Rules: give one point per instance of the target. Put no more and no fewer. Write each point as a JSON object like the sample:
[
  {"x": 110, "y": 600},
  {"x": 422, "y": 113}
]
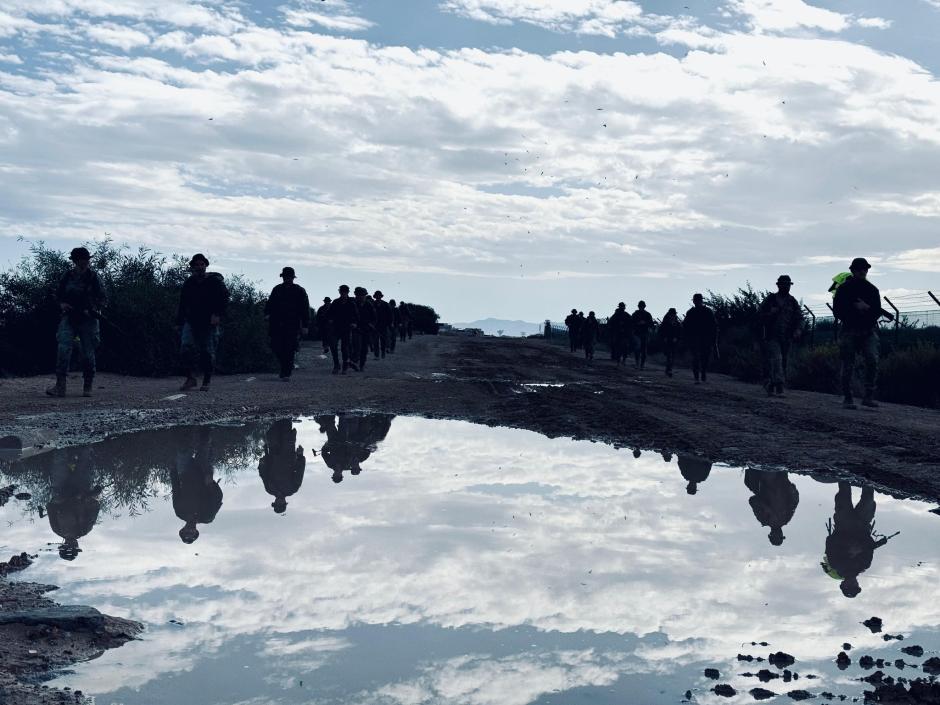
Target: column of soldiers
[
  {"x": 856, "y": 305},
  {"x": 349, "y": 327}
]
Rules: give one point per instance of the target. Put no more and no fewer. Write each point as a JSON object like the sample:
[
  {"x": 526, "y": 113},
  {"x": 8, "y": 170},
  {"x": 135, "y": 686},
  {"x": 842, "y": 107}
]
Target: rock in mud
[
  {"x": 712, "y": 673},
  {"x": 896, "y": 637},
  {"x": 843, "y": 661},
  {"x": 918, "y": 692},
  {"x": 745, "y": 657},
  {"x": 932, "y": 666},
  {"x": 766, "y": 676},
  {"x": 875, "y": 678},
  {"x": 915, "y": 651},
  {"x": 874, "y": 624},
  {"x": 781, "y": 659},
  {"x": 846, "y": 646},
  {"x": 22, "y": 496},
  {"x": 866, "y": 662},
  {"x": 800, "y": 695},
  {"x": 762, "y": 694},
  {"x": 20, "y": 562},
  {"x": 725, "y": 690}
]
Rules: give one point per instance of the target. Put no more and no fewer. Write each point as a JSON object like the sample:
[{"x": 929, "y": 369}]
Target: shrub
[{"x": 137, "y": 327}]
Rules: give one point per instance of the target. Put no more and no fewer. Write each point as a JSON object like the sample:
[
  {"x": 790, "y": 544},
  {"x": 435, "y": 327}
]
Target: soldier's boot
[
  {"x": 869, "y": 400},
  {"x": 190, "y": 383},
  {"x": 205, "y": 383},
  {"x": 88, "y": 382},
  {"x": 58, "y": 389},
  {"x": 848, "y": 403},
  {"x": 778, "y": 388},
  {"x": 769, "y": 388}
]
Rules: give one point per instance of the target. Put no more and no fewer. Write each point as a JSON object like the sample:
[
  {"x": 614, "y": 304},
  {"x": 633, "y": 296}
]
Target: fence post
[
  {"x": 835, "y": 323},
  {"x": 812, "y": 329},
  {"x": 935, "y": 300},
  {"x": 897, "y": 318}
]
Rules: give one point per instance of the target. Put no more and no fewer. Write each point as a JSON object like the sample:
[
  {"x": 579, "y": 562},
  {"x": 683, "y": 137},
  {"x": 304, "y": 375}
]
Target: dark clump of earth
[
  {"x": 725, "y": 690},
  {"x": 916, "y": 651},
  {"x": 917, "y": 692},
  {"x": 874, "y": 624},
  {"x": 712, "y": 673},
  {"x": 762, "y": 693},
  {"x": 932, "y": 666},
  {"x": 16, "y": 563},
  {"x": 843, "y": 661},
  {"x": 866, "y": 661},
  {"x": 800, "y": 695},
  {"x": 781, "y": 659}
]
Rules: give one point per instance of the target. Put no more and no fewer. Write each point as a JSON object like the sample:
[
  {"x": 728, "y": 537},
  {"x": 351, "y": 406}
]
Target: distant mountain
[{"x": 492, "y": 326}]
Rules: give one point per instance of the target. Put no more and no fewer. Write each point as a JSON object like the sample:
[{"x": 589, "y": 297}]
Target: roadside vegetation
[{"x": 137, "y": 327}]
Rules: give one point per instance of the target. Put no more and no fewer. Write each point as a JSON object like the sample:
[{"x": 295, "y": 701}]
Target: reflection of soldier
[
  {"x": 74, "y": 507},
  {"x": 774, "y": 501},
  {"x": 695, "y": 470},
  {"x": 197, "y": 497},
  {"x": 851, "y": 543},
  {"x": 352, "y": 441},
  {"x": 282, "y": 465}
]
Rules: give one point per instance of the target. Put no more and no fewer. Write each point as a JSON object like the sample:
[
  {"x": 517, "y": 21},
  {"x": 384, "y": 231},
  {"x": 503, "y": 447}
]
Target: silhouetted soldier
[
  {"x": 857, "y": 305},
  {"x": 383, "y": 320},
  {"x": 571, "y": 321},
  {"x": 851, "y": 543},
  {"x": 695, "y": 470},
  {"x": 393, "y": 327},
  {"x": 343, "y": 317},
  {"x": 701, "y": 333},
  {"x": 618, "y": 328},
  {"x": 323, "y": 323},
  {"x": 589, "y": 331},
  {"x": 404, "y": 321},
  {"x": 774, "y": 500},
  {"x": 343, "y": 451},
  {"x": 366, "y": 325},
  {"x": 288, "y": 314},
  {"x": 782, "y": 321},
  {"x": 642, "y": 326},
  {"x": 282, "y": 465},
  {"x": 197, "y": 497},
  {"x": 581, "y": 321},
  {"x": 74, "y": 507},
  {"x": 670, "y": 332},
  {"x": 202, "y": 304},
  {"x": 81, "y": 297}
]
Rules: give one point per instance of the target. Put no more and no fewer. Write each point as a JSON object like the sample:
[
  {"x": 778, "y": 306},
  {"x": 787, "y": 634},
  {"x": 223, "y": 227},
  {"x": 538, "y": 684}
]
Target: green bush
[{"x": 137, "y": 327}]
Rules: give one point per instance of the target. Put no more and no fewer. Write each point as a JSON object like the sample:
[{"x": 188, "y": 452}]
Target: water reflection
[
  {"x": 774, "y": 502},
  {"x": 351, "y": 441},
  {"x": 852, "y": 539},
  {"x": 695, "y": 470},
  {"x": 480, "y": 566},
  {"x": 73, "y": 508},
  {"x": 282, "y": 465},
  {"x": 197, "y": 496}
]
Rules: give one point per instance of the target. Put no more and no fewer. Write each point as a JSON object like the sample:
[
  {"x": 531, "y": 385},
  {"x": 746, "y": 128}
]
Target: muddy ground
[
  {"x": 896, "y": 448},
  {"x": 39, "y": 637}
]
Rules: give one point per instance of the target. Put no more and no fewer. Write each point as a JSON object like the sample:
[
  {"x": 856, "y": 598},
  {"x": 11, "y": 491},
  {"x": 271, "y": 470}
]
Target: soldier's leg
[
  {"x": 706, "y": 357},
  {"x": 188, "y": 354},
  {"x": 65, "y": 340},
  {"x": 209, "y": 344},
  {"x": 644, "y": 348},
  {"x": 89, "y": 333},
  {"x": 847, "y": 351},
  {"x": 774, "y": 363},
  {"x": 695, "y": 349},
  {"x": 334, "y": 351}
]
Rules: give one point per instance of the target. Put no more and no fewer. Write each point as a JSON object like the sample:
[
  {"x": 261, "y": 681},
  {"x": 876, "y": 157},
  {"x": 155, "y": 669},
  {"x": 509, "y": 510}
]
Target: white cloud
[
  {"x": 873, "y": 22},
  {"x": 124, "y": 38},
  {"x": 10, "y": 59},
  {"x": 601, "y": 17},
  {"x": 782, "y": 15},
  {"x": 925, "y": 259}
]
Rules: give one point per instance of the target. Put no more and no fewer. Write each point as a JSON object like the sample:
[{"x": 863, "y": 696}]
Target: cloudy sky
[{"x": 490, "y": 157}]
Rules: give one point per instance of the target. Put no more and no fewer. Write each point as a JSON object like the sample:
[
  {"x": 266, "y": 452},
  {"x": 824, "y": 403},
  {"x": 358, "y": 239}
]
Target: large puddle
[{"x": 372, "y": 559}]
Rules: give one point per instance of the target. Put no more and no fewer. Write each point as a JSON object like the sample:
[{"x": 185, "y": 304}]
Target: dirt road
[{"x": 897, "y": 448}]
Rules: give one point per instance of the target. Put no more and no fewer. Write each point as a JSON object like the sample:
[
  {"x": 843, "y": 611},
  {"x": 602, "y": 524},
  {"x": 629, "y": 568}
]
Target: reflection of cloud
[
  {"x": 458, "y": 526},
  {"x": 481, "y": 680}
]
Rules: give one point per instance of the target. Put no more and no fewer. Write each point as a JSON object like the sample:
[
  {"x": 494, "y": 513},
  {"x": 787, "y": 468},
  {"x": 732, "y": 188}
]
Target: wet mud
[{"x": 39, "y": 637}]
